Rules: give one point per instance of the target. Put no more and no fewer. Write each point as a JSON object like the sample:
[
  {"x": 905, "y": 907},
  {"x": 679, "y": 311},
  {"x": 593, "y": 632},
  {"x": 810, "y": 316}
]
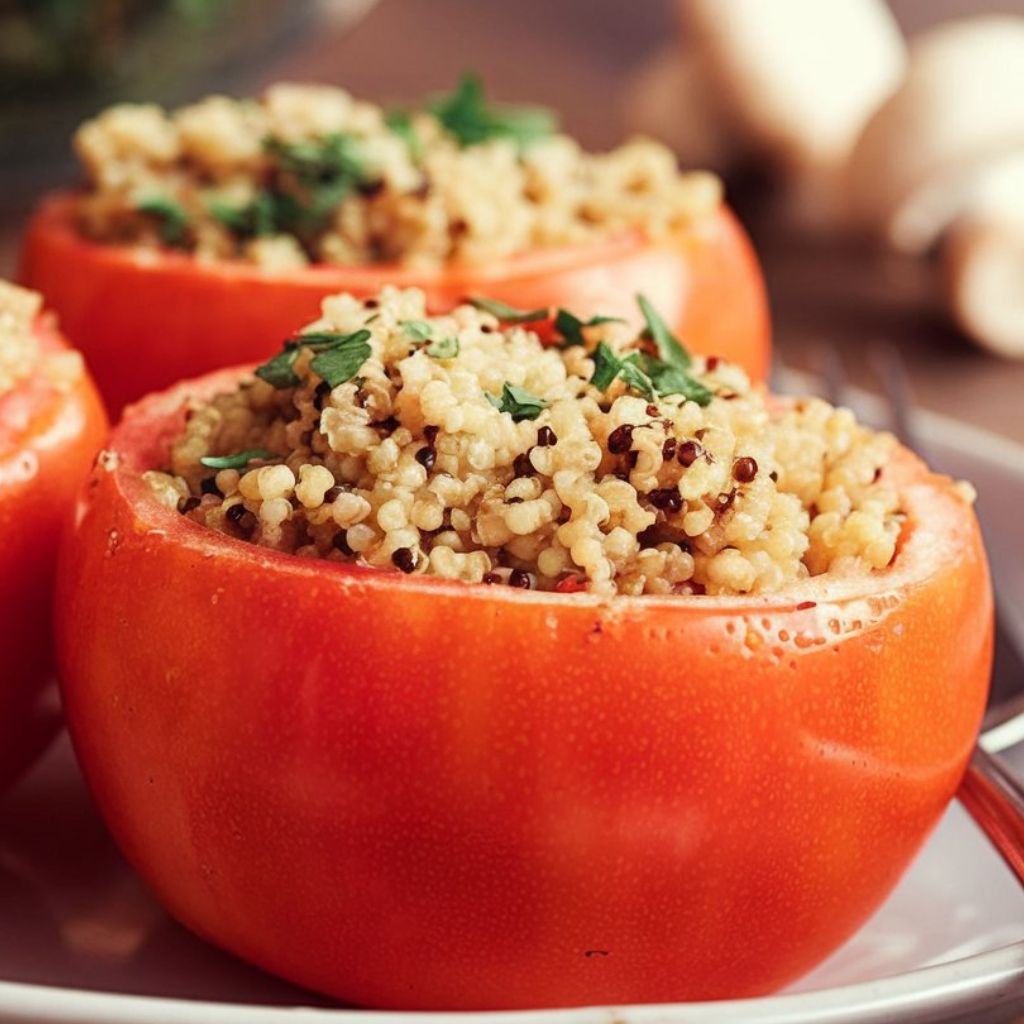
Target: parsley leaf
[
  {"x": 400, "y": 122},
  {"x": 418, "y": 330},
  {"x": 669, "y": 348},
  {"x": 280, "y": 373},
  {"x": 326, "y": 169},
  {"x": 341, "y": 362},
  {"x": 239, "y": 461},
  {"x": 172, "y": 221},
  {"x": 670, "y": 380},
  {"x": 256, "y": 219},
  {"x": 517, "y": 402},
  {"x": 608, "y": 367},
  {"x": 634, "y": 377},
  {"x": 467, "y": 116},
  {"x": 570, "y": 326},
  {"x": 508, "y": 314},
  {"x": 443, "y": 348}
]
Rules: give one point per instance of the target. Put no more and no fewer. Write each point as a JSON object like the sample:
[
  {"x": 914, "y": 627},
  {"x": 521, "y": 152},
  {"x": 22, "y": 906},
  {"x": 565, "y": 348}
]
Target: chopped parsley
[
  {"x": 172, "y": 221},
  {"x": 239, "y": 461},
  {"x": 670, "y": 380},
  {"x": 670, "y": 350},
  {"x": 341, "y": 361},
  {"x": 326, "y": 170},
  {"x": 418, "y": 330},
  {"x": 439, "y": 348},
  {"x": 608, "y": 367},
  {"x": 517, "y": 402},
  {"x": 469, "y": 118},
  {"x": 256, "y": 219},
  {"x": 650, "y": 376},
  {"x": 443, "y": 348},
  {"x": 508, "y": 314},
  {"x": 338, "y": 359},
  {"x": 570, "y": 326},
  {"x": 400, "y": 122}
]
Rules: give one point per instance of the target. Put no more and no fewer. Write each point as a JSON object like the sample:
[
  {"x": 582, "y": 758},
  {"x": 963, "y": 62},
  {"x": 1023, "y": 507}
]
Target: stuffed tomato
[
  {"x": 442, "y": 668},
  {"x": 203, "y": 237},
  {"x": 51, "y": 425}
]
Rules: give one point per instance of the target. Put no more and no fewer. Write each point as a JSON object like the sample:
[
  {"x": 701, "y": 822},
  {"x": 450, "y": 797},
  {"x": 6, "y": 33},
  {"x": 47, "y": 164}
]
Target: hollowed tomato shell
[
  {"x": 413, "y": 793},
  {"x": 48, "y": 437},
  {"x": 147, "y": 320}
]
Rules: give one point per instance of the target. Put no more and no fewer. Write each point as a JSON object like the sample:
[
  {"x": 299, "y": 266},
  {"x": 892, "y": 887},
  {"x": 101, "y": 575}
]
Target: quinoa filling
[
  {"x": 460, "y": 446},
  {"x": 19, "y": 351},
  {"x": 309, "y": 174}
]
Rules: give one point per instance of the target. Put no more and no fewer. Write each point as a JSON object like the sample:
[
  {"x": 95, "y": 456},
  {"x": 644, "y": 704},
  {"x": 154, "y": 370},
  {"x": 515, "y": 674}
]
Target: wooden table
[{"x": 577, "y": 55}]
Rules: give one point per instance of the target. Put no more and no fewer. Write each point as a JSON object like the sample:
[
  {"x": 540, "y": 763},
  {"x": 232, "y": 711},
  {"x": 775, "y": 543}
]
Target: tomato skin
[
  {"x": 411, "y": 793},
  {"x": 47, "y": 441},
  {"x": 148, "y": 320}
]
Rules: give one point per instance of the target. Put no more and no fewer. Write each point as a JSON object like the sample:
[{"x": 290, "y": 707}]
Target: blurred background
[{"x": 610, "y": 67}]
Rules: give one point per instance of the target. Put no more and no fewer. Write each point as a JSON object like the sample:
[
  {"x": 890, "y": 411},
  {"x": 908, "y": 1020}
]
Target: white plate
[{"x": 82, "y": 940}]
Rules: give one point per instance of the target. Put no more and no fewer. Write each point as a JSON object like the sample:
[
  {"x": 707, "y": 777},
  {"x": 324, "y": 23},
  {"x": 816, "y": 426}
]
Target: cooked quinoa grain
[
  {"x": 307, "y": 173},
  {"x": 503, "y": 463},
  {"x": 19, "y": 351}
]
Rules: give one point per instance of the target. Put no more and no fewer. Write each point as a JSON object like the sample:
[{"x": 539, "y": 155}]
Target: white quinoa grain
[
  {"x": 227, "y": 165},
  {"x": 413, "y": 469},
  {"x": 19, "y": 352}
]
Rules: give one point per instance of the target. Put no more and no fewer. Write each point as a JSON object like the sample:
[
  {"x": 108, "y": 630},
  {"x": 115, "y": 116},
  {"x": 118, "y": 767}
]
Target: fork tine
[
  {"x": 891, "y": 372},
  {"x": 833, "y": 374}
]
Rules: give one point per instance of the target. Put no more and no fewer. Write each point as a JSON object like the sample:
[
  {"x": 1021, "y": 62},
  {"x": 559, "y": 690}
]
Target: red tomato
[
  {"x": 48, "y": 437},
  {"x": 147, "y": 320},
  {"x": 414, "y": 793}
]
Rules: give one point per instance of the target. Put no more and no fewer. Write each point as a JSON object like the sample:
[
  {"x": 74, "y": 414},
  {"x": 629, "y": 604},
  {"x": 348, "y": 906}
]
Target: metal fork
[{"x": 989, "y": 790}]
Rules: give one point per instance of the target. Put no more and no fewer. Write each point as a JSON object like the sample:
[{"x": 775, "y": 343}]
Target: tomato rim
[{"x": 56, "y": 214}]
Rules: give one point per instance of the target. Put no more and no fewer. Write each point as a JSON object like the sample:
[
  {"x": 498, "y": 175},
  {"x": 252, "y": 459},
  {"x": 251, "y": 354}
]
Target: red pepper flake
[
  {"x": 804, "y": 605},
  {"x": 572, "y": 584}
]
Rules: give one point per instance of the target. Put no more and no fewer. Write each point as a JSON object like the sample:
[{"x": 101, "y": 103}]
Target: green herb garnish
[
  {"x": 570, "y": 326},
  {"x": 256, "y": 219},
  {"x": 608, "y": 367},
  {"x": 418, "y": 330},
  {"x": 326, "y": 170},
  {"x": 172, "y": 221},
  {"x": 517, "y": 402},
  {"x": 670, "y": 350},
  {"x": 634, "y": 377},
  {"x": 468, "y": 116},
  {"x": 341, "y": 362},
  {"x": 280, "y": 373},
  {"x": 508, "y": 314},
  {"x": 239, "y": 461},
  {"x": 670, "y": 380},
  {"x": 443, "y": 348},
  {"x": 400, "y": 122}
]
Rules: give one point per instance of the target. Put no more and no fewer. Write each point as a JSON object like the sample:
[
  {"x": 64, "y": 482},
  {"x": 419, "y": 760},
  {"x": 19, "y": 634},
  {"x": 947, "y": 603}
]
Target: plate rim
[{"x": 994, "y": 977}]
